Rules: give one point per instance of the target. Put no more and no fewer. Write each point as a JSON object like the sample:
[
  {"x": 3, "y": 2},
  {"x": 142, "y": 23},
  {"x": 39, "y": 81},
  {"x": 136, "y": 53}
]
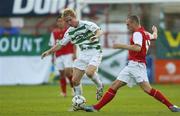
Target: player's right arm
[
  {"x": 137, "y": 39},
  {"x": 51, "y": 50},
  {"x": 57, "y": 46}
]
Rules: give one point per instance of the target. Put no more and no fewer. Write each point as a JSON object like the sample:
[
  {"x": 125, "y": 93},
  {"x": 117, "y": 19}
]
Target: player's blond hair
[{"x": 68, "y": 12}]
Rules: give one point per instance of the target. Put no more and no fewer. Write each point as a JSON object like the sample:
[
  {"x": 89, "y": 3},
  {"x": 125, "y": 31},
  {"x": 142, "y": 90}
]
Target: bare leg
[
  {"x": 68, "y": 73},
  {"x": 77, "y": 76},
  {"x": 92, "y": 74}
]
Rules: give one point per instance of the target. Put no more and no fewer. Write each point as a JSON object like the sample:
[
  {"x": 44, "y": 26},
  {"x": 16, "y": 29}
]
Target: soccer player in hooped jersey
[
  {"x": 85, "y": 35},
  {"x": 135, "y": 72},
  {"x": 63, "y": 58}
]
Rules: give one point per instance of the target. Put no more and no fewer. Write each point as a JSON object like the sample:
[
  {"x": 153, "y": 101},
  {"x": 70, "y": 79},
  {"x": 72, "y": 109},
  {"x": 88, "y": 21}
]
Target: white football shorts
[
  {"x": 64, "y": 61},
  {"x": 133, "y": 73},
  {"x": 88, "y": 57}
]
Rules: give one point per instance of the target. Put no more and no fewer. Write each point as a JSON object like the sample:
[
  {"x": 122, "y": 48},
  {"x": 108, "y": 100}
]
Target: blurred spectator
[{"x": 7, "y": 29}]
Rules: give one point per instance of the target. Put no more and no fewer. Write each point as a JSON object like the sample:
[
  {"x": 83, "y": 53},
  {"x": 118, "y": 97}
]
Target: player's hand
[
  {"x": 44, "y": 54},
  {"x": 93, "y": 38},
  {"x": 155, "y": 31}
]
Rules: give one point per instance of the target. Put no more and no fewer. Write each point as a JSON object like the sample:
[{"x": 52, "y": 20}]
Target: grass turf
[{"x": 44, "y": 100}]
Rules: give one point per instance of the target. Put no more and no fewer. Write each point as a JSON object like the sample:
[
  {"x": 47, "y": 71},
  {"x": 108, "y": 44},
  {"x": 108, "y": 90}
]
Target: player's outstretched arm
[
  {"x": 51, "y": 50},
  {"x": 134, "y": 47}
]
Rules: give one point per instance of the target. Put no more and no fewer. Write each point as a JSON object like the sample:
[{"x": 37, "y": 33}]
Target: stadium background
[{"x": 20, "y": 62}]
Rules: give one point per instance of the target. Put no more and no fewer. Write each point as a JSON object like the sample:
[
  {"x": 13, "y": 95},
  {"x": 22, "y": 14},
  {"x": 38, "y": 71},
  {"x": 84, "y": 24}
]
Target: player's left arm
[
  {"x": 154, "y": 34},
  {"x": 98, "y": 33},
  {"x": 95, "y": 29}
]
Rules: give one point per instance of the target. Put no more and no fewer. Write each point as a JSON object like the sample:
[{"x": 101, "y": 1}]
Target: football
[{"x": 78, "y": 101}]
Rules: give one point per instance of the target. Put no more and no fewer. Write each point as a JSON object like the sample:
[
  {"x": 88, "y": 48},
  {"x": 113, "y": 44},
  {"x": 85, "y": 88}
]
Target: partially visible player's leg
[
  {"x": 68, "y": 64},
  {"x": 77, "y": 76},
  {"x": 159, "y": 96},
  {"x": 69, "y": 76},
  {"x": 92, "y": 74},
  {"x": 107, "y": 97},
  {"x": 122, "y": 79},
  {"x": 62, "y": 83},
  {"x": 68, "y": 73}
]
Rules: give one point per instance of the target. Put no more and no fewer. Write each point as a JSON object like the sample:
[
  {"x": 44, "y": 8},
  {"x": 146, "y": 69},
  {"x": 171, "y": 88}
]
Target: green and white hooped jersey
[{"x": 80, "y": 36}]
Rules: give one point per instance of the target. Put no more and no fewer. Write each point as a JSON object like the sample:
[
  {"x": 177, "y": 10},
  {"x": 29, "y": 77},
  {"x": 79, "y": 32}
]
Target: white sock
[
  {"x": 97, "y": 80},
  {"x": 78, "y": 89}
]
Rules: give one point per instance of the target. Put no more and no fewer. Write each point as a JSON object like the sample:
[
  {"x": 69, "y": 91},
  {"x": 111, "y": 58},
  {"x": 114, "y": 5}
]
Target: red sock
[
  {"x": 160, "y": 97},
  {"x": 70, "y": 81},
  {"x": 63, "y": 84},
  {"x": 108, "y": 96}
]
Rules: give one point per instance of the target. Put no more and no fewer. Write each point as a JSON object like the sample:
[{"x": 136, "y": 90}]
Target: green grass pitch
[{"x": 44, "y": 100}]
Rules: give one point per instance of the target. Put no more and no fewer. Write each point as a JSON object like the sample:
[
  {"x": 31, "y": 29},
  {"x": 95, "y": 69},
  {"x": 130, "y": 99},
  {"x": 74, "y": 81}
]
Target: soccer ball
[{"x": 78, "y": 101}]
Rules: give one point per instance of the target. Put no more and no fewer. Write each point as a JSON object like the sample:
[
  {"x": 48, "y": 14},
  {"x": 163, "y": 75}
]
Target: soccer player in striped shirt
[{"x": 85, "y": 35}]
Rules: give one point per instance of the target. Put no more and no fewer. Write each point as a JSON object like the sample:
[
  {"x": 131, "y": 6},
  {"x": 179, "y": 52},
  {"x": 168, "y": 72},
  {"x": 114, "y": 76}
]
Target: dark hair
[
  {"x": 134, "y": 18},
  {"x": 59, "y": 16}
]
